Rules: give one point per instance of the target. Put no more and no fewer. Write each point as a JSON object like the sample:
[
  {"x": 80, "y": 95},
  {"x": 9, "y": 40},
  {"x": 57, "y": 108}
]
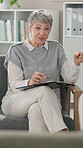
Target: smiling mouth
[{"x": 41, "y": 38}]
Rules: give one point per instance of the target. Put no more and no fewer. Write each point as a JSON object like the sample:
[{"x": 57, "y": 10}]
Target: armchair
[
  {"x": 76, "y": 91},
  {"x": 18, "y": 123}
]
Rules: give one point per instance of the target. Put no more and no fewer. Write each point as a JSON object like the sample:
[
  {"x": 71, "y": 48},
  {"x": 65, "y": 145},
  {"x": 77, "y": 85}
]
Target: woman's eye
[
  {"x": 38, "y": 28},
  {"x": 46, "y": 28}
]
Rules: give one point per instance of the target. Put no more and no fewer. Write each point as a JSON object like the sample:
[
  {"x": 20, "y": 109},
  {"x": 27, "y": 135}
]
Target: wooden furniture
[{"x": 76, "y": 91}]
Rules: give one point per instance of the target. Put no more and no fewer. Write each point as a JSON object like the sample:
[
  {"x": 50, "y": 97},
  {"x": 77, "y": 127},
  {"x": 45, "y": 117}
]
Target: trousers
[{"x": 40, "y": 105}]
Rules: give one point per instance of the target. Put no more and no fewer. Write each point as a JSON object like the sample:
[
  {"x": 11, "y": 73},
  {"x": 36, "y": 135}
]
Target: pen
[
  {"x": 41, "y": 75},
  {"x": 35, "y": 71}
]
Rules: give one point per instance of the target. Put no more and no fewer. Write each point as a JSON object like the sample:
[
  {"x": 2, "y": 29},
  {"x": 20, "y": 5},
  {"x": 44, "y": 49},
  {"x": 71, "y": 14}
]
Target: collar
[{"x": 30, "y": 47}]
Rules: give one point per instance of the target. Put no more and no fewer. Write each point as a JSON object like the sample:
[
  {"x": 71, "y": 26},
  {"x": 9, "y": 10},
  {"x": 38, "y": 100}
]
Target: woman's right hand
[{"x": 37, "y": 78}]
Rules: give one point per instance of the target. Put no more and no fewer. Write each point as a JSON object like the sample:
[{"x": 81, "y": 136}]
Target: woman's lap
[{"x": 18, "y": 104}]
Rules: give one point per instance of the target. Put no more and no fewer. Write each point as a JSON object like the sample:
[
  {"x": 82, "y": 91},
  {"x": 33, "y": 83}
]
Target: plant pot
[{"x": 5, "y": 4}]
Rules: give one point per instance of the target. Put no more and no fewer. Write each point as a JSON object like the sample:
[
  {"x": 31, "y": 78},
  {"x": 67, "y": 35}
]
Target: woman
[{"x": 32, "y": 62}]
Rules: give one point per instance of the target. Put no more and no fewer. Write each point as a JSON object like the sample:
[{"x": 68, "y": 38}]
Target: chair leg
[
  {"x": 76, "y": 91},
  {"x": 68, "y": 102},
  {"x": 76, "y": 113}
]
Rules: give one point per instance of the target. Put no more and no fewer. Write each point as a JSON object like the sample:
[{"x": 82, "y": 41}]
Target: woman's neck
[{"x": 34, "y": 44}]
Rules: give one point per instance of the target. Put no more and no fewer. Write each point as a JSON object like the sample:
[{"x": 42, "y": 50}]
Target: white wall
[{"x": 45, "y": 4}]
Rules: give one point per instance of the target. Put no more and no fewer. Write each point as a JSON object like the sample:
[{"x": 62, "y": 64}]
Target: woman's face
[{"x": 39, "y": 33}]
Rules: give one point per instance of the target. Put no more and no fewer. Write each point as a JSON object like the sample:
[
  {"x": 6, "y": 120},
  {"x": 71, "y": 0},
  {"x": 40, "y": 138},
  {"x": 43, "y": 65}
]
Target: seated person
[{"x": 32, "y": 62}]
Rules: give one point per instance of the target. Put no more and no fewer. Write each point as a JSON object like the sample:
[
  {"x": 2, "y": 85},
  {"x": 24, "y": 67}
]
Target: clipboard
[{"x": 51, "y": 84}]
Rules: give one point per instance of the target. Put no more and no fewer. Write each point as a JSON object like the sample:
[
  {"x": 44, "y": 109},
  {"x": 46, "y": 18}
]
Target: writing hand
[{"x": 37, "y": 78}]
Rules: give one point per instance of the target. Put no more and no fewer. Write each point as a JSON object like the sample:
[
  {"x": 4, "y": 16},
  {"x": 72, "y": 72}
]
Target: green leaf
[
  {"x": 12, "y": 2},
  {"x": 18, "y": 6},
  {"x": 1, "y": 1}
]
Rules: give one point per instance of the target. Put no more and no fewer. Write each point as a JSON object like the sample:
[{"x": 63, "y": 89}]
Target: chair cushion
[
  {"x": 3, "y": 78},
  {"x": 13, "y": 123},
  {"x": 69, "y": 122},
  {"x": 18, "y": 123}
]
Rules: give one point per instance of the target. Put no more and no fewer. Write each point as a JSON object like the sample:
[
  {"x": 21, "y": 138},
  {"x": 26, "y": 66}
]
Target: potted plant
[
  {"x": 12, "y": 2},
  {"x": 8, "y": 3}
]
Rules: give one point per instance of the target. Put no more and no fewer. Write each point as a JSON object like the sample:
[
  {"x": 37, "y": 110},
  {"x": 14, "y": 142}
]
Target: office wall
[{"x": 45, "y": 4}]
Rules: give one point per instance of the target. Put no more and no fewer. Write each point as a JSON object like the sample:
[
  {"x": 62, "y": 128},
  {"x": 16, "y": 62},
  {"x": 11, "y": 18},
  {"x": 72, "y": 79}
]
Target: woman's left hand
[{"x": 78, "y": 58}]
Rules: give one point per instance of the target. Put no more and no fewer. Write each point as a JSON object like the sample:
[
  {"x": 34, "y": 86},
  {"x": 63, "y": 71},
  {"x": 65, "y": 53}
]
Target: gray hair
[{"x": 40, "y": 15}]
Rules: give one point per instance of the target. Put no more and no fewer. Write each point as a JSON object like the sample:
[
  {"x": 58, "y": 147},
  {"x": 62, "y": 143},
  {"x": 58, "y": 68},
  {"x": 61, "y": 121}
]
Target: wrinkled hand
[
  {"x": 37, "y": 78},
  {"x": 78, "y": 58}
]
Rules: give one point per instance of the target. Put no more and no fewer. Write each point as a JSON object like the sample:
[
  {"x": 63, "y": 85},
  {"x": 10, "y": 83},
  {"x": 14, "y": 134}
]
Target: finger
[
  {"x": 42, "y": 78},
  {"x": 76, "y": 55},
  {"x": 80, "y": 60},
  {"x": 38, "y": 78},
  {"x": 35, "y": 80},
  {"x": 81, "y": 54},
  {"x": 41, "y": 74},
  {"x": 35, "y": 76}
]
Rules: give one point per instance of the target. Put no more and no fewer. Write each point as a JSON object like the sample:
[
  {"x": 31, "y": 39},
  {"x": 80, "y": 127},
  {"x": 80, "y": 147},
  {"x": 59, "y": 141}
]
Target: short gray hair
[{"x": 40, "y": 15}]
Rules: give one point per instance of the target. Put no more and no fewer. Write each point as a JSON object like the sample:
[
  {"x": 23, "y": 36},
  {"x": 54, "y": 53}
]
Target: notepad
[{"x": 51, "y": 84}]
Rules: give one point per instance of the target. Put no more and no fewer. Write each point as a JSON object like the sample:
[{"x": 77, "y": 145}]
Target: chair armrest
[{"x": 76, "y": 91}]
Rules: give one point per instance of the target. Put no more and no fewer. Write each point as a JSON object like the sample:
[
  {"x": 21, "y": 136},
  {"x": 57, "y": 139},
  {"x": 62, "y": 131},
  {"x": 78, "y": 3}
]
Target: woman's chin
[{"x": 41, "y": 42}]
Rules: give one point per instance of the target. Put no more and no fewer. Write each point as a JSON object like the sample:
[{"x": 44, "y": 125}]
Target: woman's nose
[{"x": 42, "y": 32}]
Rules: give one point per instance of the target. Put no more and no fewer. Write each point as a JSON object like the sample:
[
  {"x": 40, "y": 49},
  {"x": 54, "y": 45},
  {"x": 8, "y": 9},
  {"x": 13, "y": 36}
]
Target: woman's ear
[
  {"x": 29, "y": 29},
  {"x": 29, "y": 33}
]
